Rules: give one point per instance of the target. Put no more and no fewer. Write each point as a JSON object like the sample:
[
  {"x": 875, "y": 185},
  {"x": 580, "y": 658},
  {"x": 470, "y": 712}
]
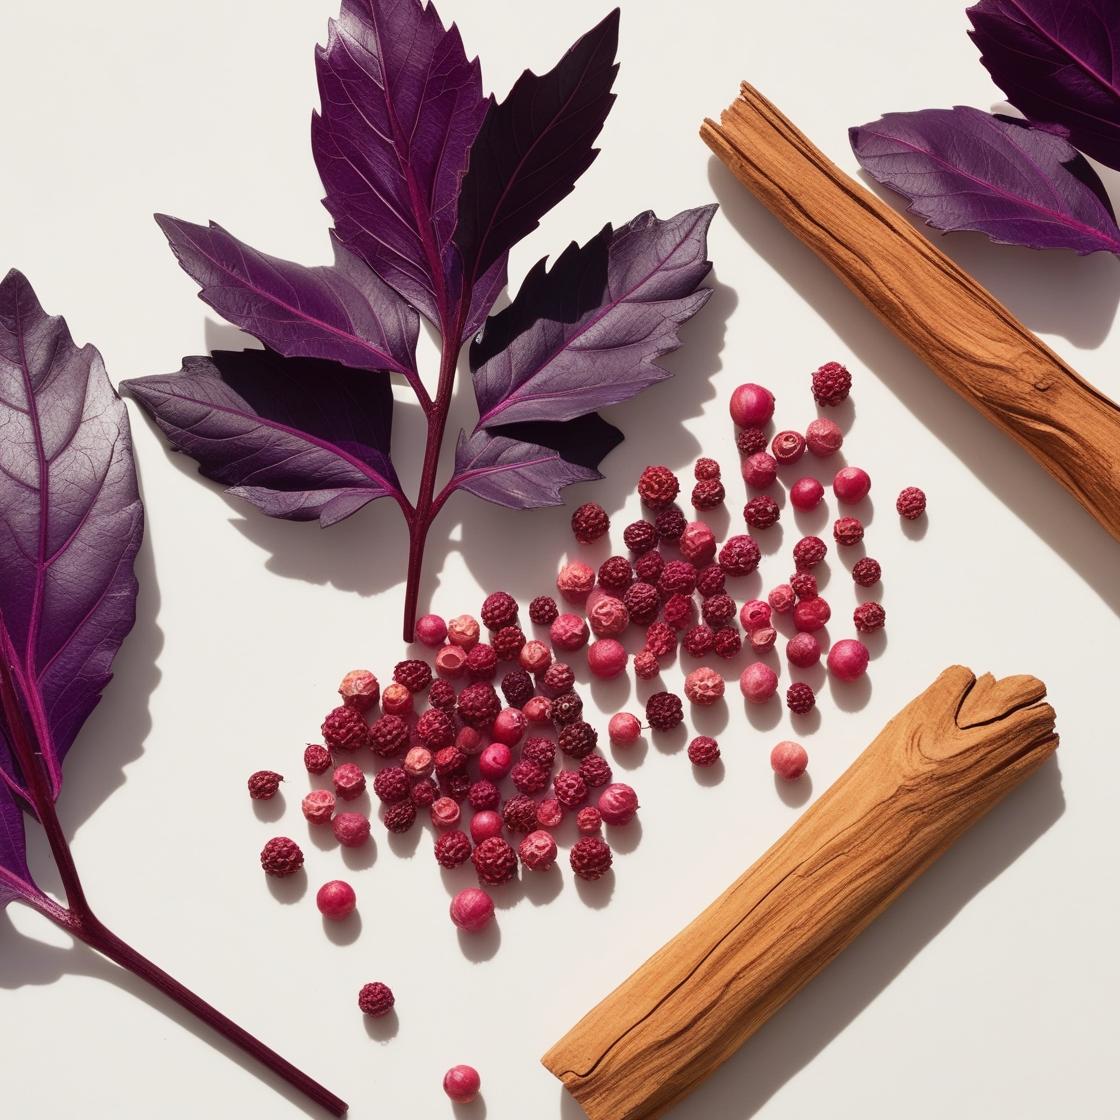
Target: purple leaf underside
[
  {"x": 298, "y": 438},
  {"x": 589, "y": 332},
  {"x": 15, "y": 878},
  {"x": 533, "y": 146},
  {"x": 401, "y": 107},
  {"x": 70, "y": 526},
  {"x": 342, "y": 312},
  {"x": 963, "y": 169},
  {"x": 1058, "y": 62}
]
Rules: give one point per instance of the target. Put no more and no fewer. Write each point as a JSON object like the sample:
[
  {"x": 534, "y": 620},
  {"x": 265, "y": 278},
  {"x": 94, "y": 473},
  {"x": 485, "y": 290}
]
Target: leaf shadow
[{"x": 1009, "y": 474}]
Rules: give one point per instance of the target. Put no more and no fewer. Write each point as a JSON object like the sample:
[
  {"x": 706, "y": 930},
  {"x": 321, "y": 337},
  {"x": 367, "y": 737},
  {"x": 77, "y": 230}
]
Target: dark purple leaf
[
  {"x": 15, "y": 878},
  {"x": 965, "y": 169},
  {"x": 526, "y": 465},
  {"x": 296, "y": 437},
  {"x": 589, "y": 332},
  {"x": 533, "y": 146},
  {"x": 1058, "y": 62},
  {"x": 401, "y": 106},
  {"x": 70, "y": 523},
  {"x": 341, "y": 312}
]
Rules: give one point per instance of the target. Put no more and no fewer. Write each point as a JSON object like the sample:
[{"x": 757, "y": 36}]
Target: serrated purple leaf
[
  {"x": 298, "y": 438},
  {"x": 588, "y": 333},
  {"x": 70, "y": 524},
  {"x": 965, "y": 169},
  {"x": 521, "y": 474},
  {"x": 1058, "y": 62},
  {"x": 533, "y": 146},
  {"x": 401, "y": 106},
  {"x": 341, "y": 313}
]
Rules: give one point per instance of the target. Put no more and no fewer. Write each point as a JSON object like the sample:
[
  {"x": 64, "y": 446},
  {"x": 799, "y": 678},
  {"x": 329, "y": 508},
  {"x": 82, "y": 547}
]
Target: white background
[{"x": 988, "y": 991}]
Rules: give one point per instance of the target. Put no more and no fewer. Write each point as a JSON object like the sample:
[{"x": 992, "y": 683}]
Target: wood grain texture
[
  {"x": 965, "y": 335},
  {"x": 933, "y": 771}
]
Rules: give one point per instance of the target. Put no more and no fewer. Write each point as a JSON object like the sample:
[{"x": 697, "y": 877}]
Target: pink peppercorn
[
  {"x": 703, "y": 686},
  {"x": 462, "y": 1083},
  {"x": 646, "y": 665},
  {"x": 608, "y": 616},
  {"x": 318, "y": 806},
  {"x": 265, "y": 784},
  {"x": 538, "y": 851},
  {"x": 869, "y": 617},
  {"x": 811, "y": 615},
  {"x": 589, "y": 820},
  {"x": 788, "y": 447},
  {"x": 351, "y": 830},
  {"x": 727, "y": 642},
  {"x": 781, "y": 598},
  {"x": 538, "y": 709},
  {"x": 799, "y": 698},
  {"x": 824, "y": 437},
  {"x": 851, "y": 485},
  {"x": 758, "y": 682},
  {"x": 866, "y": 572},
  {"x": 469, "y": 740},
  {"x": 550, "y": 813},
  {"x": 751, "y": 405},
  {"x": 679, "y": 611},
  {"x": 595, "y": 770},
  {"x": 418, "y": 762},
  {"x": 349, "y": 781},
  {"x": 607, "y": 658},
  {"x": 739, "y": 555},
  {"x": 482, "y": 662},
  {"x": 806, "y": 493},
  {"x": 471, "y": 909},
  {"x": 396, "y": 700},
  {"x": 911, "y": 503},
  {"x": 803, "y": 650},
  {"x": 789, "y": 760},
  {"x": 494, "y": 861},
  {"x": 809, "y": 552},
  {"x": 336, "y": 900},
  {"x": 431, "y": 630},
  {"x": 661, "y": 639},
  {"x": 618, "y": 804},
  {"x": 847, "y": 531},
  {"x": 699, "y": 640},
  {"x": 486, "y": 824},
  {"x": 376, "y": 999},
  {"x": 575, "y": 580},
  {"x": 763, "y": 638},
  {"x": 495, "y": 761},
  {"x": 535, "y": 656},
  {"x": 445, "y": 812},
  {"x": 804, "y": 585},
  {"x": 703, "y": 751},
  {"x": 761, "y": 512},
  {"x": 624, "y": 729},
  {"x": 710, "y": 580},
  {"x": 590, "y": 858},
  {"x": 463, "y": 631},
  {"x": 847, "y": 660},
  {"x": 316, "y": 759},
  {"x": 391, "y": 785},
  {"x": 451, "y": 661},
  {"x": 760, "y": 470},
  {"x": 697, "y": 544},
  {"x": 750, "y": 440},
  {"x": 753, "y": 614},
  {"x": 509, "y": 727},
  {"x": 359, "y": 690},
  {"x": 569, "y": 632}
]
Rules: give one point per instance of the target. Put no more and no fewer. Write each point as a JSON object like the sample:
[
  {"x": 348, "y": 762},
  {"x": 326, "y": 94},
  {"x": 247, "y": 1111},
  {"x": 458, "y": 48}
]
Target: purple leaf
[
  {"x": 70, "y": 525},
  {"x": 15, "y": 878},
  {"x": 401, "y": 106},
  {"x": 341, "y": 312},
  {"x": 526, "y": 465},
  {"x": 1058, "y": 62},
  {"x": 965, "y": 169},
  {"x": 533, "y": 146},
  {"x": 296, "y": 437},
  {"x": 589, "y": 332}
]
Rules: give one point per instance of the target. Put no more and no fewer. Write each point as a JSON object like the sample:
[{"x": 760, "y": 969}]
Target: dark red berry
[
  {"x": 435, "y": 729},
  {"x": 482, "y": 662},
  {"x": 499, "y": 609},
  {"x": 566, "y": 708},
  {"x": 345, "y": 729},
  {"x": 750, "y": 440},
  {"x": 699, "y": 640},
  {"x": 449, "y": 760},
  {"x": 540, "y": 751},
  {"x": 264, "y": 785},
  {"x": 441, "y": 695},
  {"x": 670, "y": 524},
  {"x": 800, "y": 698},
  {"x": 570, "y": 788},
  {"x": 589, "y": 820},
  {"x": 639, "y": 537},
  {"x": 679, "y": 611},
  {"x": 661, "y": 639},
  {"x": 703, "y": 751},
  {"x": 616, "y": 574},
  {"x": 809, "y": 552},
  {"x": 543, "y": 610},
  {"x": 678, "y": 577},
  {"x": 831, "y": 384},
  {"x": 642, "y": 601},
  {"x": 388, "y": 736},
  {"x": 869, "y": 617},
  {"x": 414, "y": 674},
  {"x": 911, "y": 503},
  {"x": 711, "y": 580},
  {"x": 401, "y": 817},
  {"x": 718, "y": 610},
  {"x": 456, "y": 785},
  {"x": 646, "y": 665},
  {"x": 866, "y": 572},
  {"x": 578, "y": 740},
  {"x": 649, "y": 566},
  {"x": 507, "y": 642},
  {"x": 423, "y": 793},
  {"x": 453, "y": 849},
  {"x": 739, "y": 556},
  {"x": 483, "y": 794},
  {"x": 517, "y": 687},
  {"x": 664, "y": 711},
  {"x": 520, "y": 814},
  {"x": 391, "y": 785},
  {"x": 590, "y": 522},
  {"x": 705, "y": 470},
  {"x": 708, "y": 494},
  {"x": 528, "y": 777},
  {"x": 281, "y": 856},
  {"x": 317, "y": 759},
  {"x": 657, "y": 487},
  {"x": 479, "y": 705},
  {"x": 595, "y": 771},
  {"x": 590, "y": 857},
  {"x": 847, "y": 530},
  {"x": 761, "y": 512},
  {"x": 788, "y": 447},
  {"x": 494, "y": 861},
  {"x": 728, "y": 642},
  {"x": 804, "y": 585},
  {"x": 557, "y": 679},
  {"x": 376, "y": 1000}
]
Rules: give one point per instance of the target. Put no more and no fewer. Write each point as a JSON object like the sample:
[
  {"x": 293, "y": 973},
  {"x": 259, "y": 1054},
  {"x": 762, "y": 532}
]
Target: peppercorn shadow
[
  {"x": 289, "y": 889},
  {"x": 344, "y": 932},
  {"x": 483, "y": 945},
  {"x": 271, "y": 809},
  {"x": 382, "y": 1028},
  {"x": 710, "y": 775},
  {"x": 850, "y": 696},
  {"x": 470, "y": 1110},
  {"x": 794, "y": 793},
  {"x": 596, "y": 893},
  {"x": 624, "y": 838}
]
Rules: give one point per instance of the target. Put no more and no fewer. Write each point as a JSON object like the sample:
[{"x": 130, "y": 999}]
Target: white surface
[{"x": 986, "y": 992}]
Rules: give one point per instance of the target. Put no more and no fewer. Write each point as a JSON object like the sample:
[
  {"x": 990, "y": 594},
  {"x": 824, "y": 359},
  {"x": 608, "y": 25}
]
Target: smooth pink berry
[
  {"x": 485, "y": 824},
  {"x": 351, "y": 830},
  {"x": 782, "y": 598},
  {"x": 431, "y": 630},
  {"x": 336, "y": 900},
  {"x": 789, "y": 760},
  {"x": 848, "y": 658},
  {"x": 607, "y": 657},
  {"x": 624, "y": 729},
  {"x": 824, "y": 437},
  {"x": 760, "y": 470},
  {"x": 851, "y": 485},
  {"x": 538, "y": 850},
  {"x": 495, "y": 762},
  {"x": 806, "y": 493},
  {"x": 803, "y": 650},
  {"x": 445, "y": 812},
  {"x": 462, "y": 1083},
  {"x": 788, "y": 447},
  {"x": 753, "y": 614},
  {"x": 751, "y": 405},
  {"x": 811, "y": 615},
  {"x": 569, "y": 632},
  {"x": 758, "y": 682},
  {"x": 470, "y": 741},
  {"x": 535, "y": 656},
  {"x": 472, "y": 910},
  {"x": 538, "y": 709},
  {"x": 509, "y": 727},
  {"x": 418, "y": 762},
  {"x": 618, "y": 804}
]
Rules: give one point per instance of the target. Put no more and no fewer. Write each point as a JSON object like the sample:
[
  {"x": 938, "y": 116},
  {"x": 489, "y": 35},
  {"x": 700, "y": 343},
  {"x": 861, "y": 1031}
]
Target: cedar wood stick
[
  {"x": 966, "y": 336},
  {"x": 931, "y": 773}
]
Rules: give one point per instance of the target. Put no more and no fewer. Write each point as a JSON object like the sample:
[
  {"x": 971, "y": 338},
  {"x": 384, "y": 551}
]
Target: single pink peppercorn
[
  {"x": 763, "y": 638},
  {"x": 624, "y": 729},
  {"x": 851, "y": 485},
  {"x": 869, "y": 617},
  {"x": 750, "y": 440},
  {"x": 590, "y": 858},
  {"x": 727, "y": 643},
  {"x": 618, "y": 804},
  {"x": 445, "y": 812},
  {"x": 463, "y": 631},
  {"x": 495, "y": 762},
  {"x": 664, "y": 711},
  {"x": 391, "y": 784},
  {"x": 800, "y": 698},
  {"x": 509, "y": 727},
  {"x": 595, "y": 770},
  {"x": 423, "y": 793},
  {"x": 461, "y": 1084},
  {"x": 911, "y": 503},
  {"x": 418, "y": 762},
  {"x": 401, "y": 817},
  {"x": 499, "y": 609},
  {"x": 699, "y": 640},
  {"x": 848, "y": 658},
  {"x": 789, "y": 760},
  {"x": 508, "y": 642},
  {"x": 760, "y": 470},
  {"x": 543, "y": 610},
  {"x": 847, "y": 531},
  {"x": 758, "y": 682},
  {"x": 470, "y": 741},
  {"x": 452, "y": 849},
  {"x": 753, "y": 614},
  {"x": 639, "y": 537},
  {"x": 570, "y": 789},
  {"x": 589, "y": 522},
  {"x": 658, "y": 487},
  {"x": 414, "y": 673},
  {"x": 607, "y": 658},
  {"x": 751, "y": 405},
  {"x": 494, "y": 861},
  {"x": 787, "y": 447},
  {"x": 705, "y": 470},
  {"x": 318, "y": 806},
  {"x": 442, "y": 695},
  {"x": 486, "y": 824},
  {"x": 670, "y": 524},
  {"x": 349, "y": 781},
  {"x": 316, "y": 759},
  {"x": 484, "y": 794},
  {"x": 435, "y": 729},
  {"x": 376, "y": 999},
  {"x": 478, "y": 705},
  {"x": 806, "y": 494},
  {"x": 642, "y": 602},
  {"x": 535, "y": 656},
  {"x": 575, "y": 580},
  {"x": 451, "y": 661},
  {"x": 345, "y": 729},
  {"x": 739, "y": 555},
  {"x": 648, "y": 567},
  {"x": 804, "y": 585},
  {"x": 529, "y": 777},
  {"x": 703, "y": 686},
  {"x": 710, "y": 580},
  {"x": 866, "y": 572},
  {"x": 824, "y": 437},
  {"x": 761, "y": 512},
  {"x": 336, "y": 900},
  {"x": 803, "y": 650},
  {"x": 351, "y": 830},
  {"x": 359, "y": 690},
  {"x": 569, "y": 632},
  {"x": 538, "y": 709},
  {"x": 708, "y": 494},
  {"x": 550, "y": 813},
  {"x": 556, "y": 680},
  {"x": 698, "y": 544},
  {"x": 661, "y": 639},
  {"x": 538, "y": 850},
  {"x": 809, "y": 552},
  {"x": 811, "y": 615},
  {"x": 471, "y": 910},
  {"x": 482, "y": 662},
  {"x": 782, "y": 598},
  {"x": 589, "y": 820},
  {"x": 608, "y": 617},
  {"x": 679, "y": 611},
  {"x": 431, "y": 630},
  {"x": 646, "y": 665},
  {"x": 703, "y": 751},
  {"x": 396, "y": 700},
  {"x": 616, "y": 573},
  {"x": 831, "y": 384},
  {"x": 265, "y": 784}
]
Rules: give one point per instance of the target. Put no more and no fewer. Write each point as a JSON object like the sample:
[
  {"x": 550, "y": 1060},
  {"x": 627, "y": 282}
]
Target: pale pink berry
[
  {"x": 396, "y": 699},
  {"x": 607, "y": 657},
  {"x": 318, "y": 806},
  {"x": 485, "y": 824},
  {"x": 535, "y": 656},
  {"x": 538, "y": 709},
  {"x": 450, "y": 661},
  {"x": 703, "y": 686},
  {"x": 495, "y": 762},
  {"x": 575, "y": 580},
  {"x": 789, "y": 760},
  {"x": 803, "y": 650},
  {"x": 851, "y": 485},
  {"x": 336, "y": 900},
  {"x": 824, "y": 437},
  {"x": 762, "y": 638},
  {"x": 538, "y": 851},
  {"x": 760, "y": 470},
  {"x": 510, "y": 726},
  {"x": 463, "y": 631},
  {"x": 751, "y": 405},
  {"x": 848, "y": 658},
  {"x": 445, "y": 812},
  {"x": 806, "y": 493},
  {"x": 461, "y": 1084},
  {"x": 431, "y": 630},
  {"x": 624, "y": 729},
  {"x": 418, "y": 762},
  {"x": 753, "y": 614},
  {"x": 607, "y": 616},
  {"x": 758, "y": 682},
  {"x": 471, "y": 910},
  {"x": 569, "y": 632},
  {"x": 697, "y": 543},
  {"x": 782, "y": 598}
]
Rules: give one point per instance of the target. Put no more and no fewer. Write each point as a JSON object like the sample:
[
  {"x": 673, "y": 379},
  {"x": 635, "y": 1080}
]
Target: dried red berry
[
  {"x": 616, "y": 573},
  {"x": 847, "y": 531},
  {"x": 657, "y": 487},
  {"x": 590, "y": 522},
  {"x": 750, "y": 441},
  {"x": 540, "y": 751},
  {"x": 557, "y": 679},
  {"x": 566, "y": 708},
  {"x": 318, "y": 806},
  {"x": 456, "y": 785},
  {"x": 401, "y": 817},
  {"x": 705, "y": 470},
  {"x": 788, "y": 447},
  {"x": 661, "y": 639},
  {"x": 866, "y": 572},
  {"x": 499, "y": 609},
  {"x": 359, "y": 689},
  {"x": 452, "y": 849},
  {"x": 639, "y": 537},
  {"x": 388, "y": 736},
  {"x": 708, "y": 494},
  {"x": 800, "y": 698},
  {"x": 316, "y": 759},
  {"x": 811, "y": 615},
  {"x": 761, "y": 512},
  {"x": 520, "y": 813},
  {"x": 517, "y": 687},
  {"x": 543, "y": 610},
  {"x": 441, "y": 695},
  {"x": 703, "y": 751},
  {"x": 528, "y": 777},
  {"x": 590, "y": 857},
  {"x": 718, "y": 610},
  {"x": 642, "y": 602},
  {"x": 507, "y": 642},
  {"x": 351, "y": 830},
  {"x": 679, "y": 611},
  {"x": 570, "y": 788},
  {"x": 494, "y": 861},
  {"x": 538, "y": 850},
  {"x": 424, "y": 793},
  {"x": 435, "y": 729},
  {"x": 664, "y": 711},
  {"x": 911, "y": 503},
  {"x": 265, "y": 784},
  {"x": 482, "y": 662},
  {"x": 804, "y": 585},
  {"x": 578, "y": 739},
  {"x": 869, "y": 617},
  {"x": 345, "y": 729},
  {"x": 670, "y": 524},
  {"x": 809, "y": 552},
  {"x": 550, "y": 813},
  {"x": 449, "y": 760},
  {"x": 711, "y": 580},
  {"x": 589, "y": 820},
  {"x": 649, "y": 566},
  {"x": 281, "y": 856},
  {"x": 831, "y": 384},
  {"x": 678, "y": 577},
  {"x": 739, "y": 556},
  {"x": 699, "y": 640},
  {"x": 349, "y": 781},
  {"x": 646, "y": 665},
  {"x": 391, "y": 785},
  {"x": 595, "y": 771},
  {"x": 414, "y": 674},
  {"x": 478, "y": 705},
  {"x": 376, "y": 999},
  {"x": 727, "y": 642}
]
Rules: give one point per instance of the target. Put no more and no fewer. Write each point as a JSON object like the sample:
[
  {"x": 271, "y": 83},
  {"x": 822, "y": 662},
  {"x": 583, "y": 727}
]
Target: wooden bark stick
[
  {"x": 966, "y": 336},
  {"x": 933, "y": 771}
]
